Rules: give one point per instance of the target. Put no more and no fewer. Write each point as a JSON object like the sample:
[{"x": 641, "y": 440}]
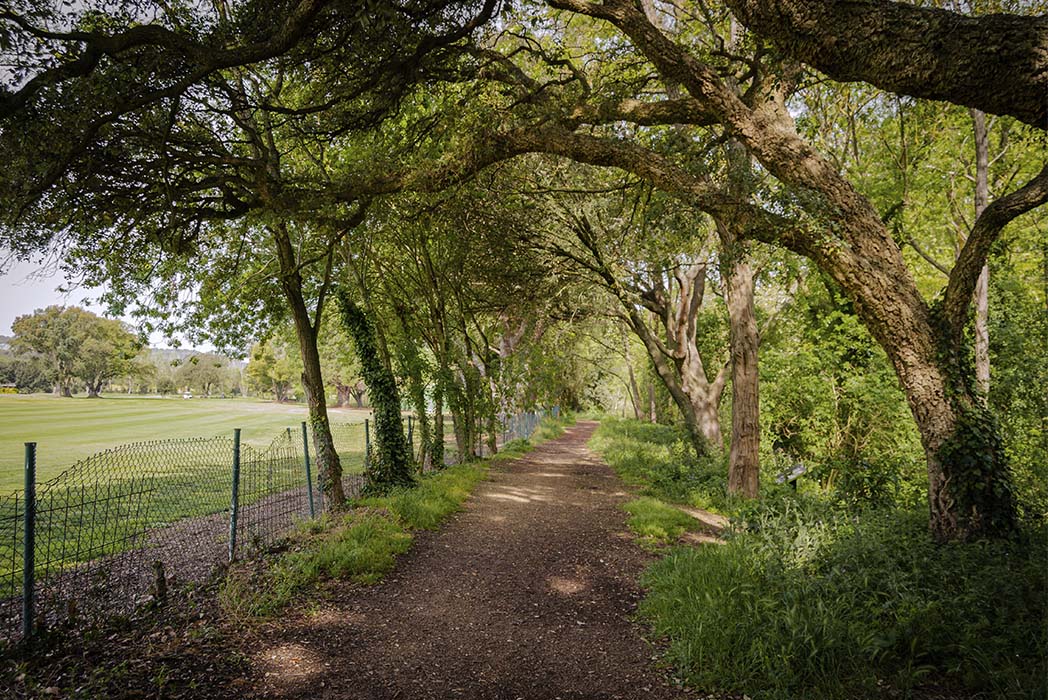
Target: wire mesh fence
[{"x": 118, "y": 529}]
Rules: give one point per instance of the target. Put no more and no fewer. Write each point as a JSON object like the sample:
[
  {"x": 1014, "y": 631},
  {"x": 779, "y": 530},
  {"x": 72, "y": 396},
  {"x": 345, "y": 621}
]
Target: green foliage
[
  {"x": 817, "y": 595},
  {"x": 830, "y": 401},
  {"x": 391, "y": 466},
  {"x": 656, "y": 522},
  {"x": 433, "y": 499},
  {"x": 801, "y": 605},
  {"x": 977, "y": 476},
  {"x": 550, "y": 428},
  {"x": 76, "y": 345},
  {"x": 659, "y": 459},
  {"x": 360, "y": 545},
  {"x": 1019, "y": 369},
  {"x": 271, "y": 369}
]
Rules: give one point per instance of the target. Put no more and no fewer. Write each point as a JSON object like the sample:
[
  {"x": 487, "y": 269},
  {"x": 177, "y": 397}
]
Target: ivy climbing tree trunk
[{"x": 391, "y": 465}]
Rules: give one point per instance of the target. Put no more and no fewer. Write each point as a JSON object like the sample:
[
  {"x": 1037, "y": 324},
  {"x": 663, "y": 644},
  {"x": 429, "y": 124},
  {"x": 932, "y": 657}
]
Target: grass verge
[
  {"x": 813, "y": 597},
  {"x": 657, "y": 523},
  {"x": 360, "y": 545}
]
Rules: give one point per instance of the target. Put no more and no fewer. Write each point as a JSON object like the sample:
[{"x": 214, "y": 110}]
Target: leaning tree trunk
[{"x": 982, "y": 286}]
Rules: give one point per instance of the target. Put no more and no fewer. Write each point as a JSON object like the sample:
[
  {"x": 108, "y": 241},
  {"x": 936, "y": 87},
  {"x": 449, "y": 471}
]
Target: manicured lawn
[{"x": 67, "y": 430}]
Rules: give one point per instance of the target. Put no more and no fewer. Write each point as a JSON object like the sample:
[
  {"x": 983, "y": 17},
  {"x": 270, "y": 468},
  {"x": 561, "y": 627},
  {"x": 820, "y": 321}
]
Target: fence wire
[
  {"x": 108, "y": 527},
  {"x": 111, "y": 526}
]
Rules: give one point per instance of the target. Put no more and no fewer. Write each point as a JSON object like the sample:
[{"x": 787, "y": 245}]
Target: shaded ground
[{"x": 526, "y": 594}]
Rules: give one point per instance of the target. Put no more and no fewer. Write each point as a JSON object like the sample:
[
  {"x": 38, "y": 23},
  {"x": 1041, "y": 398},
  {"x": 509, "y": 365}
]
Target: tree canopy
[{"x": 479, "y": 177}]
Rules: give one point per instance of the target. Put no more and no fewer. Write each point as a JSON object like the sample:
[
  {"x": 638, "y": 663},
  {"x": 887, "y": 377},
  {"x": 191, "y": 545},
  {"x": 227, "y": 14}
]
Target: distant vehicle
[{"x": 187, "y": 395}]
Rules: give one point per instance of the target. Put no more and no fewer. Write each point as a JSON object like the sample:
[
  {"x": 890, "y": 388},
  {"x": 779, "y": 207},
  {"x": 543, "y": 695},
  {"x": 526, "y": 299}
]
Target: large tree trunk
[
  {"x": 743, "y": 338},
  {"x": 744, "y": 455},
  {"x": 994, "y": 62}
]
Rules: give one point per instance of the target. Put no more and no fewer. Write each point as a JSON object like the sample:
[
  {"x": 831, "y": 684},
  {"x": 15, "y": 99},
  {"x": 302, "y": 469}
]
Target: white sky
[{"x": 26, "y": 287}]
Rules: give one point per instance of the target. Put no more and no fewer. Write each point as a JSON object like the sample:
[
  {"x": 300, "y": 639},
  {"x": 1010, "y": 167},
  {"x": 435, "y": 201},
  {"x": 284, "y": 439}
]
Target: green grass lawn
[{"x": 70, "y": 429}]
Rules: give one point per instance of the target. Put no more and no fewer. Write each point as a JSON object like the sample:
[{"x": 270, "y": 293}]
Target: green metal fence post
[
  {"x": 234, "y": 504},
  {"x": 367, "y": 445},
  {"x": 29, "y": 549},
  {"x": 309, "y": 471}
]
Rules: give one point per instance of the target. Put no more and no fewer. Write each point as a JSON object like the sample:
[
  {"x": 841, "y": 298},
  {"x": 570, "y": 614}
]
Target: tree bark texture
[
  {"x": 982, "y": 286},
  {"x": 744, "y": 453},
  {"x": 995, "y": 63}
]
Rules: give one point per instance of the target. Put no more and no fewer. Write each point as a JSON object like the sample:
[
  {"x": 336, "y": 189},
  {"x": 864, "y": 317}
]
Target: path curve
[{"x": 528, "y": 593}]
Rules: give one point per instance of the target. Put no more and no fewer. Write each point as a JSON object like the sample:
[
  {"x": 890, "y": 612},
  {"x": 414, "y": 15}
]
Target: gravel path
[{"x": 528, "y": 593}]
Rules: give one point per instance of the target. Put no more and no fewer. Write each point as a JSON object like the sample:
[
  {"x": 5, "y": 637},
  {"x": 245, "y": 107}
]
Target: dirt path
[{"x": 526, "y": 594}]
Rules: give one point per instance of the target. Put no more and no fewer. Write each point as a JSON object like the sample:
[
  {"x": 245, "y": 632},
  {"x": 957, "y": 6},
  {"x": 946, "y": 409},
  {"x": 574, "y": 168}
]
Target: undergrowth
[
  {"x": 817, "y": 596},
  {"x": 657, "y": 523}
]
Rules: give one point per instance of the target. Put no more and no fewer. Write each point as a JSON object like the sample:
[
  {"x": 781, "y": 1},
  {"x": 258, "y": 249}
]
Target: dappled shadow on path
[{"x": 528, "y": 593}]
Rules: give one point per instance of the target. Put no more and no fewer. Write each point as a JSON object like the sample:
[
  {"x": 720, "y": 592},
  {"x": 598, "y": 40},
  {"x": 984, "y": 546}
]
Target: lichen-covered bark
[{"x": 996, "y": 63}]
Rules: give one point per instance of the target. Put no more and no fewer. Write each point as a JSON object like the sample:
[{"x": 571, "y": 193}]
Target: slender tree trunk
[
  {"x": 654, "y": 416},
  {"x": 982, "y": 286},
  {"x": 635, "y": 398},
  {"x": 329, "y": 466},
  {"x": 438, "y": 420}
]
